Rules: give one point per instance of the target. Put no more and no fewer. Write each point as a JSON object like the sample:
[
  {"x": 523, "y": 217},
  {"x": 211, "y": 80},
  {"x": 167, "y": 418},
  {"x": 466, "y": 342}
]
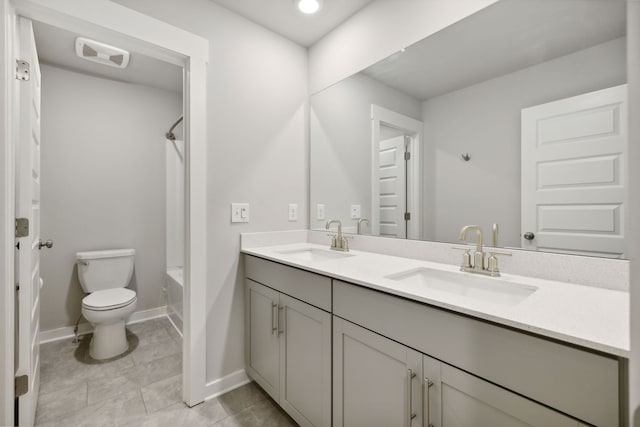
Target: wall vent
[{"x": 101, "y": 53}]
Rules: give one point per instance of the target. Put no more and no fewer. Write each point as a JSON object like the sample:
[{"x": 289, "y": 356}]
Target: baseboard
[
  {"x": 144, "y": 315},
  {"x": 86, "y": 328},
  {"x": 225, "y": 384}
]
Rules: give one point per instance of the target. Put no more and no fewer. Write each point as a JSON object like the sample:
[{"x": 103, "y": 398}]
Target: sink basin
[
  {"x": 490, "y": 289},
  {"x": 314, "y": 254}
]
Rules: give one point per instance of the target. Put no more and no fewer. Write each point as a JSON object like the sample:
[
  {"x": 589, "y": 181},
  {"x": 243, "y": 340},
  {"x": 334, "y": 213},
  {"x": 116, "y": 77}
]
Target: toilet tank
[{"x": 100, "y": 270}]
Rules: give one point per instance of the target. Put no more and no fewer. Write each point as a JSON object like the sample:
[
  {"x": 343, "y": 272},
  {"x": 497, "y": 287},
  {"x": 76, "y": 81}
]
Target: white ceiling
[
  {"x": 283, "y": 17},
  {"x": 503, "y": 38},
  {"x": 56, "y": 47}
]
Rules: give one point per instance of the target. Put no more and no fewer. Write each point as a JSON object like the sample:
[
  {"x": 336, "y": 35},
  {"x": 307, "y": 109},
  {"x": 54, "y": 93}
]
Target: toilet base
[{"x": 108, "y": 341}]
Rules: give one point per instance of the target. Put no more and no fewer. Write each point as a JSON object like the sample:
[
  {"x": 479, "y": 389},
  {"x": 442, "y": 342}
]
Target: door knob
[
  {"x": 48, "y": 244},
  {"x": 529, "y": 235}
]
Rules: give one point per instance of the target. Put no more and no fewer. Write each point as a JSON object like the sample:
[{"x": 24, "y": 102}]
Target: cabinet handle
[
  {"x": 425, "y": 402},
  {"x": 280, "y": 331},
  {"x": 410, "y": 414},
  {"x": 274, "y": 318}
]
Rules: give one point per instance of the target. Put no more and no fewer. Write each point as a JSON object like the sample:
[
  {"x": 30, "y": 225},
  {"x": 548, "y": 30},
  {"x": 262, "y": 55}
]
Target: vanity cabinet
[
  {"x": 288, "y": 342},
  {"x": 582, "y": 384},
  {"x": 398, "y": 362},
  {"x": 379, "y": 382}
]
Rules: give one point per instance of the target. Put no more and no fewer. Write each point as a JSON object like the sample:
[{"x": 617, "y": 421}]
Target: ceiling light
[{"x": 308, "y": 6}]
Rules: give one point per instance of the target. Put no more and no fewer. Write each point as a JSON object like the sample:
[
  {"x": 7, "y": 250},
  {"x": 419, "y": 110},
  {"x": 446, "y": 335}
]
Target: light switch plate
[
  {"x": 239, "y": 212},
  {"x": 356, "y": 212},
  {"x": 320, "y": 211},
  {"x": 293, "y": 211}
]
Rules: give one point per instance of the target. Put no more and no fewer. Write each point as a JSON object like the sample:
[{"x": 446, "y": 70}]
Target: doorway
[
  {"x": 105, "y": 20},
  {"x": 396, "y": 174}
]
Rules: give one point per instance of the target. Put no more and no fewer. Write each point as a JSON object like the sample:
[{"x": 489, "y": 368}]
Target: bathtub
[{"x": 174, "y": 284}]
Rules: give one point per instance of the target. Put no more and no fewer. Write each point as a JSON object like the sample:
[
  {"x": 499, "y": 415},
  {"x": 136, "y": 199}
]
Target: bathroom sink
[
  {"x": 314, "y": 254},
  {"x": 490, "y": 289}
]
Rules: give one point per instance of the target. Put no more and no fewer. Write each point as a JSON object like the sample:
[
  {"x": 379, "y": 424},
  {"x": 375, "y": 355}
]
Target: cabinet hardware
[
  {"x": 410, "y": 414},
  {"x": 280, "y": 331},
  {"x": 274, "y": 318},
  {"x": 427, "y": 383}
]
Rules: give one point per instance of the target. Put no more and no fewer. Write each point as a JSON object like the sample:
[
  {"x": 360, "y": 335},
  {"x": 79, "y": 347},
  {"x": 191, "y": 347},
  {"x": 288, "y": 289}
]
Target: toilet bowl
[{"x": 105, "y": 275}]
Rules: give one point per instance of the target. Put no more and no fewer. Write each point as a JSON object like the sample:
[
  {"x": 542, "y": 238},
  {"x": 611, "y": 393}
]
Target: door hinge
[
  {"x": 407, "y": 216},
  {"x": 407, "y": 155},
  {"x": 21, "y": 385},
  {"x": 22, "y": 227},
  {"x": 22, "y": 70}
]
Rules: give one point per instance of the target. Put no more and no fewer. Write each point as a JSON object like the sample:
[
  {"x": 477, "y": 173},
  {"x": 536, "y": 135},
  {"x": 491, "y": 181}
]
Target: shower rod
[{"x": 170, "y": 136}]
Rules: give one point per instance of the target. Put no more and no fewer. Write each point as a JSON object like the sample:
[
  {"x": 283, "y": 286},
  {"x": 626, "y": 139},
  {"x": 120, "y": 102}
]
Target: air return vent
[{"x": 101, "y": 53}]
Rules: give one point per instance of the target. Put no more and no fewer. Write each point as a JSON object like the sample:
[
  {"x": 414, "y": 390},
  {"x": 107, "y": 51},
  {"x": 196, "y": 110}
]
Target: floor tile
[
  {"x": 268, "y": 414},
  {"x": 156, "y": 370},
  {"x": 244, "y": 418},
  {"x": 149, "y": 351},
  {"x": 105, "y": 388},
  {"x": 54, "y": 405},
  {"x": 241, "y": 398},
  {"x": 162, "y": 394},
  {"x": 142, "y": 387},
  {"x": 119, "y": 410}
]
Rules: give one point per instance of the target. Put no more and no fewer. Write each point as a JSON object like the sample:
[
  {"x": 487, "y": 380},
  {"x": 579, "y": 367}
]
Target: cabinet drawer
[
  {"x": 578, "y": 382},
  {"x": 311, "y": 288}
]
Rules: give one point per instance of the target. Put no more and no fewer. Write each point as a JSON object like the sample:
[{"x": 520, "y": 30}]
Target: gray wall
[
  {"x": 380, "y": 29},
  {"x": 484, "y": 120},
  {"x": 341, "y": 145},
  {"x": 103, "y": 183},
  {"x": 257, "y": 151}
]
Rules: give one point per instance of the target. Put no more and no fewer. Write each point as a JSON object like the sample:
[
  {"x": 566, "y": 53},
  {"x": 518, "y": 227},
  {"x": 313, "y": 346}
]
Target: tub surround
[{"x": 568, "y": 304}]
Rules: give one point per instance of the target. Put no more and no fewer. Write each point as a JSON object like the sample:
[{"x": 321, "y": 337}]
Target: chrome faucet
[
  {"x": 360, "y": 222},
  {"x": 338, "y": 242},
  {"x": 478, "y": 265}
]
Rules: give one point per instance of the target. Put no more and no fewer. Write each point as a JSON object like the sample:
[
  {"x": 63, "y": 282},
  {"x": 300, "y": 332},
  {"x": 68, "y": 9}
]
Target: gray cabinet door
[
  {"x": 305, "y": 362},
  {"x": 376, "y": 381},
  {"x": 263, "y": 349},
  {"x": 470, "y": 401}
]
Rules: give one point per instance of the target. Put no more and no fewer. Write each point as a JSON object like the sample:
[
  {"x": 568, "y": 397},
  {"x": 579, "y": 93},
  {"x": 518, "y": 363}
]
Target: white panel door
[
  {"x": 305, "y": 362},
  {"x": 574, "y": 174},
  {"x": 28, "y": 206},
  {"x": 392, "y": 179}
]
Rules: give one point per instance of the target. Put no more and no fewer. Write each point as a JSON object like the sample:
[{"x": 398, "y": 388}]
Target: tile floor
[{"x": 142, "y": 387}]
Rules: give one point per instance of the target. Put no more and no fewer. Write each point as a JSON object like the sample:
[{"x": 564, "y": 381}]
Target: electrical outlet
[
  {"x": 293, "y": 211},
  {"x": 355, "y": 212},
  {"x": 320, "y": 211},
  {"x": 239, "y": 212}
]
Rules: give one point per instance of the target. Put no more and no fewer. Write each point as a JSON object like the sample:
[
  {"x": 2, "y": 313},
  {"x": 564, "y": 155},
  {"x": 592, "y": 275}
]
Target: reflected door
[
  {"x": 574, "y": 189},
  {"x": 392, "y": 178}
]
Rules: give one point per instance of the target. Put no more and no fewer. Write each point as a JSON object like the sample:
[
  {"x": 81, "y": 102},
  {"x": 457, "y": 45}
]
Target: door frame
[
  {"x": 103, "y": 19},
  {"x": 383, "y": 116}
]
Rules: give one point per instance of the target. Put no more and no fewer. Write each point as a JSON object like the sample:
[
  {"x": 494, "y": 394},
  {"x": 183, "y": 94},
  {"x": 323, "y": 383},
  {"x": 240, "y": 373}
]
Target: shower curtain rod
[{"x": 170, "y": 136}]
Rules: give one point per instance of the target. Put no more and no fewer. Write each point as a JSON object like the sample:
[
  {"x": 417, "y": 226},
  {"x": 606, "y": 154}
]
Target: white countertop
[{"x": 587, "y": 316}]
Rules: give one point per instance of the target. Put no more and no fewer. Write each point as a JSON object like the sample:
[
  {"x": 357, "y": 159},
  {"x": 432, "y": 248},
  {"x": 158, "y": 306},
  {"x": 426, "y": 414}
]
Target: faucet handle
[
  {"x": 492, "y": 262},
  {"x": 466, "y": 256}
]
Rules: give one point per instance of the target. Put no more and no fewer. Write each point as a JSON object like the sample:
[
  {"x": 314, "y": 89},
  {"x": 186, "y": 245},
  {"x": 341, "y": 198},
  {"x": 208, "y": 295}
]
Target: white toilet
[{"x": 105, "y": 276}]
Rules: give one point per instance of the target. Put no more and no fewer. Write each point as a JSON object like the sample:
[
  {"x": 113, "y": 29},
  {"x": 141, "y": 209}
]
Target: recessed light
[{"x": 308, "y": 6}]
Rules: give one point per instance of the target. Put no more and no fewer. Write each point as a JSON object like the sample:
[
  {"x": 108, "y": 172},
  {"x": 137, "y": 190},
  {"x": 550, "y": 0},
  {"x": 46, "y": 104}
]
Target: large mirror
[{"x": 514, "y": 116}]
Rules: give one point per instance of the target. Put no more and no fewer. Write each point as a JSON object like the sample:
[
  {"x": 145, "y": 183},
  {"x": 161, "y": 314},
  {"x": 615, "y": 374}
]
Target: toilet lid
[{"x": 109, "y": 299}]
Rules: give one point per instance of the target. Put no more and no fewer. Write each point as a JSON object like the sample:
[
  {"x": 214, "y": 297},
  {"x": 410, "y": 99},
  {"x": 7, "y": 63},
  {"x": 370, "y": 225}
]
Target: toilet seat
[{"x": 109, "y": 299}]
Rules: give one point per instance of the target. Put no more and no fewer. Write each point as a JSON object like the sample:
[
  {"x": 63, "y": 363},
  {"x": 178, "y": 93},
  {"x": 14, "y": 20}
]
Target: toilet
[{"x": 104, "y": 275}]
